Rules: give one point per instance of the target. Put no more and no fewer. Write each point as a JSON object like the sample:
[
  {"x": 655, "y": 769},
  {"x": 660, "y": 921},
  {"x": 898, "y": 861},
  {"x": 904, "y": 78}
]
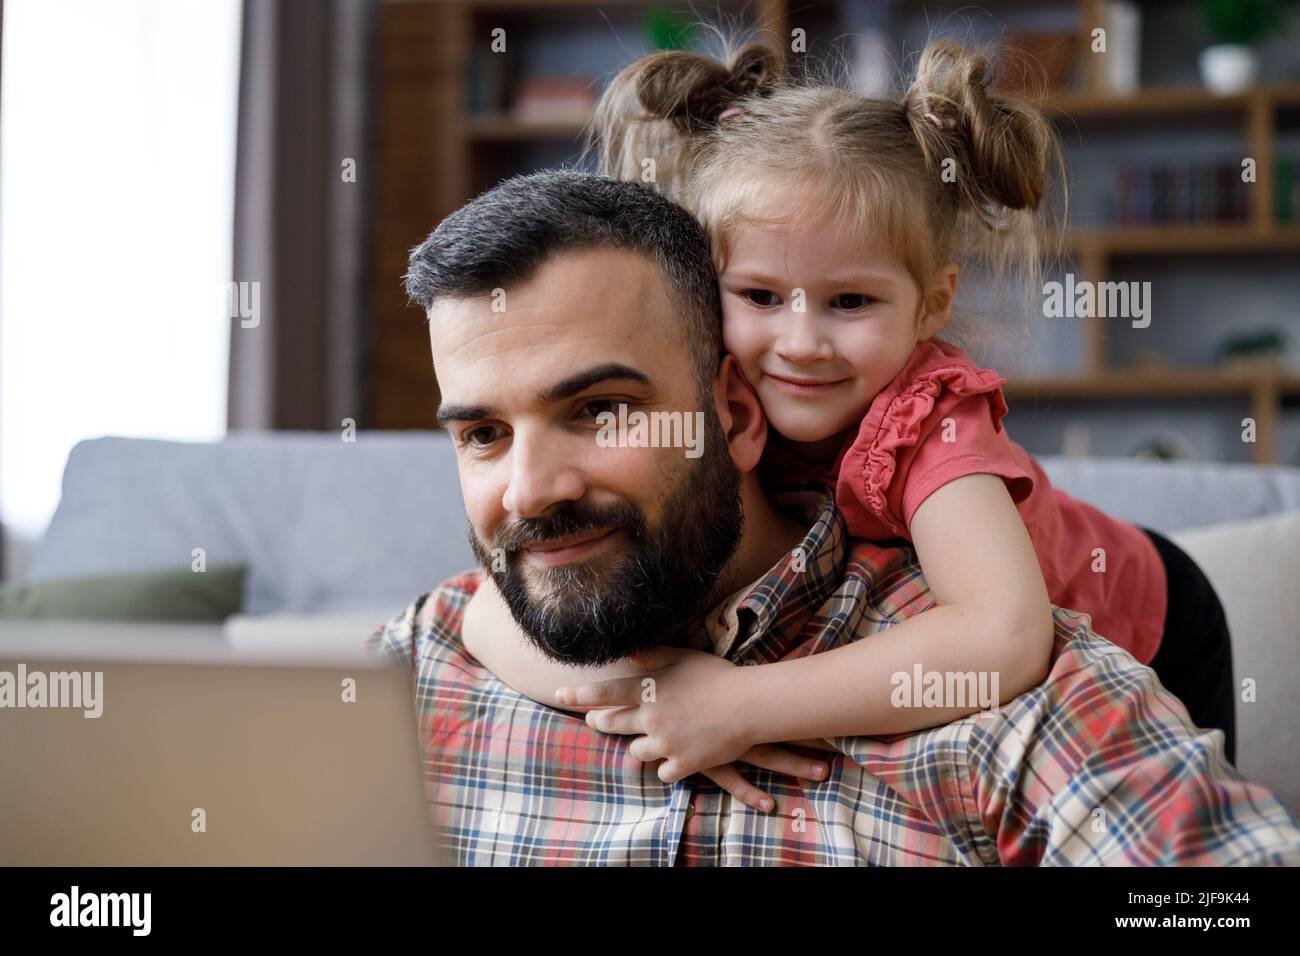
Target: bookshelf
[{"x": 431, "y": 167}]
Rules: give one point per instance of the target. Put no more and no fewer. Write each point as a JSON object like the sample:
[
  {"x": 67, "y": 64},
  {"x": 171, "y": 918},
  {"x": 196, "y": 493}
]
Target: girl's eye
[
  {"x": 851, "y": 301},
  {"x": 760, "y": 297}
]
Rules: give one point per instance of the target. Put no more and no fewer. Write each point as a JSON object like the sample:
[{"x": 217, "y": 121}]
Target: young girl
[{"x": 838, "y": 224}]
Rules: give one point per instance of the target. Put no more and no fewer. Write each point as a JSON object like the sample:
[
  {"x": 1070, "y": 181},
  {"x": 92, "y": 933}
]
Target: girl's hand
[
  {"x": 769, "y": 757},
  {"x": 689, "y": 712},
  {"x": 685, "y": 711}
]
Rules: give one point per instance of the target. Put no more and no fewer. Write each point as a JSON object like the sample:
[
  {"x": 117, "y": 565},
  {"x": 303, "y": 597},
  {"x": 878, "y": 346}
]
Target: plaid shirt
[{"x": 1098, "y": 765}]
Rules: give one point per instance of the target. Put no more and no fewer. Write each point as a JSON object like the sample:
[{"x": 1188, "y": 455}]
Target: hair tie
[
  {"x": 935, "y": 120},
  {"x": 729, "y": 112}
]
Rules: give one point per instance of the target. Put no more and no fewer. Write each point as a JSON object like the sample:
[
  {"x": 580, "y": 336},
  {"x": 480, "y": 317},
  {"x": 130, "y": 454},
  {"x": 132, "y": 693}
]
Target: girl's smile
[{"x": 805, "y": 387}]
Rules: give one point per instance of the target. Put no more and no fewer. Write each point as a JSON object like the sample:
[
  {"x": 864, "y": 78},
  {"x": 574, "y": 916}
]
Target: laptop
[{"x": 203, "y": 760}]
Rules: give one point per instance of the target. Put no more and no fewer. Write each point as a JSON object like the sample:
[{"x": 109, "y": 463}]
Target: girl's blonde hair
[{"x": 946, "y": 171}]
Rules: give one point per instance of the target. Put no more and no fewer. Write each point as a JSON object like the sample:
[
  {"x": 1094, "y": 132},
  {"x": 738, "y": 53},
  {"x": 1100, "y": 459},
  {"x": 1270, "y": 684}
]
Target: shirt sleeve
[
  {"x": 1100, "y": 765},
  {"x": 439, "y": 610},
  {"x": 395, "y": 638},
  {"x": 962, "y": 436},
  {"x": 940, "y": 419}
]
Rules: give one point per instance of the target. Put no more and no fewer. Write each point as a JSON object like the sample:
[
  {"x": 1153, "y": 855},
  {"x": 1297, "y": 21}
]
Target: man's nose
[
  {"x": 802, "y": 339},
  {"x": 541, "y": 474}
]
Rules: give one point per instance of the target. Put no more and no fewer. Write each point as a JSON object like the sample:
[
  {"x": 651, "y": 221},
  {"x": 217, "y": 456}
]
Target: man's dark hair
[{"x": 503, "y": 236}]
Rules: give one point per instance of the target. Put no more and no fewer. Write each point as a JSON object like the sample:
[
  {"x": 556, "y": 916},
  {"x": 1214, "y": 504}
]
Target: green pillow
[{"x": 185, "y": 595}]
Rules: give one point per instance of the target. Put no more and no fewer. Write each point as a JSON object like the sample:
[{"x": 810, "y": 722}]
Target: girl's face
[{"x": 818, "y": 323}]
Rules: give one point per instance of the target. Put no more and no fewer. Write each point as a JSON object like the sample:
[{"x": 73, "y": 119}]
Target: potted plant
[{"x": 1232, "y": 64}]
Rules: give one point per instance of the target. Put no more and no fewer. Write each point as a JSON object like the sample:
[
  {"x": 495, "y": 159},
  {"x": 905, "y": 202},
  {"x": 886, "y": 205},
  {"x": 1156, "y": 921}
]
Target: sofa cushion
[
  {"x": 1254, "y": 566},
  {"x": 212, "y": 595}
]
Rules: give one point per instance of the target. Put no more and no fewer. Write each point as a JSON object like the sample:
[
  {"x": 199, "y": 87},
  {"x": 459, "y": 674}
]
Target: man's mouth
[
  {"x": 559, "y": 551},
  {"x": 805, "y": 386}
]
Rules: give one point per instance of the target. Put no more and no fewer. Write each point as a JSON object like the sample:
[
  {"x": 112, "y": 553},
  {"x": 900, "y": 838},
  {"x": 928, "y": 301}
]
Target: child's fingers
[
  {"x": 618, "y": 692},
  {"x": 615, "y": 720},
  {"x": 645, "y": 750},
  {"x": 780, "y": 760},
  {"x": 730, "y": 779}
]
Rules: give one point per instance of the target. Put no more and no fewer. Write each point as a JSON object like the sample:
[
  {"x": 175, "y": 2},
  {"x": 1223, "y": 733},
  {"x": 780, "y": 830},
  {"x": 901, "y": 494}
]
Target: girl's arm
[
  {"x": 492, "y": 636},
  {"x": 993, "y": 617}
]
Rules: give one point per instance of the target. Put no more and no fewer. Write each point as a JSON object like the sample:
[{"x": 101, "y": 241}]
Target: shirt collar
[{"x": 763, "y": 619}]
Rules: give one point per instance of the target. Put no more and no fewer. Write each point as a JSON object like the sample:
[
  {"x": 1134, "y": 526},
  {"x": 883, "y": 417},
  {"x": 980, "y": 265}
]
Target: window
[{"x": 117, "y": 152}]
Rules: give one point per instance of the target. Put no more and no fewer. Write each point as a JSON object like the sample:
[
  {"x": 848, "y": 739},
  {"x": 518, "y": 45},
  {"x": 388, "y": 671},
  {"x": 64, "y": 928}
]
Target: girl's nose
[{"x": 802, "y": 339}]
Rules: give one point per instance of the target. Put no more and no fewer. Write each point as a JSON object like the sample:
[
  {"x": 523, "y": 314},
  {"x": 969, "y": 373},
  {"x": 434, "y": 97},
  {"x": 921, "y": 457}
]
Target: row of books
[
  {"x": 494, "y": 89},
  {"x": 1197, "y": 193}
]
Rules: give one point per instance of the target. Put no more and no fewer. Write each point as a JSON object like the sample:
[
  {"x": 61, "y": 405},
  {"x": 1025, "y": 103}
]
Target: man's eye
[
  {"x": 597, "y": 406},
  {"x": 851, "y": 301},
  {"x": 478, "y": 437},
  {"x": 760, "y": 297}
]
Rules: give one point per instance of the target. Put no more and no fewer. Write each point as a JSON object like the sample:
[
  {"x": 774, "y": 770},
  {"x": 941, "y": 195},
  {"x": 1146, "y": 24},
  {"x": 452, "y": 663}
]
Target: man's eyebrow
[
  {"x": 462, "y": 413},
  {"x": 581, "y": 381},
  {"x": 566, "y": 388}
]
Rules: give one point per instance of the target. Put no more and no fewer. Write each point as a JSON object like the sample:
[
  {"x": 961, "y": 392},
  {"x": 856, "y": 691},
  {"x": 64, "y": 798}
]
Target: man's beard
[{"x": 644, "y": 596}]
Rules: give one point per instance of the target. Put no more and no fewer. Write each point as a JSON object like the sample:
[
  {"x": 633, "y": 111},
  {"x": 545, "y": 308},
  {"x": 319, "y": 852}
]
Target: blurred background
[{"x": 206, "y": 206}]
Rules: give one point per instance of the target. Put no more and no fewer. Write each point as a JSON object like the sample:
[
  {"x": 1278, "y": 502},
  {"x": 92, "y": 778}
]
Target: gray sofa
[{"x": 340, "y": 536}]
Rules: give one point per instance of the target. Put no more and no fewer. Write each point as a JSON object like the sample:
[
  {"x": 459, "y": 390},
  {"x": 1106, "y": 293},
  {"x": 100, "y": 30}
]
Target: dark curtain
[{"x": 300, "y": 230}]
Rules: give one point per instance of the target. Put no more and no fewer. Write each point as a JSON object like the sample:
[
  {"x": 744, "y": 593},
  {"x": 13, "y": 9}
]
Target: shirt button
[
  {"x": 690, "y": 810},
  {"x": 750, "y": 663}
]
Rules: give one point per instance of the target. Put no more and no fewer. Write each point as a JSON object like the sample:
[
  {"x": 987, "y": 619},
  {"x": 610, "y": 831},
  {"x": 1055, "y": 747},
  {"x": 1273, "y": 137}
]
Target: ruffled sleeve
[{"x": 938, "y": 382}]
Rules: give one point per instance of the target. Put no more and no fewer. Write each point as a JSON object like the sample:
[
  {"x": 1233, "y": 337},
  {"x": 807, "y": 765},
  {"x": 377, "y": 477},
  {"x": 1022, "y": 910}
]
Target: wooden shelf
[
  {"x": 1161, "y": 383},
  {"x": 1148, "y": 103},
  {"x": 1264, "y": 387},
  {"x": 1156, "y": 240},
  {"x": 1157, "y": 101}
]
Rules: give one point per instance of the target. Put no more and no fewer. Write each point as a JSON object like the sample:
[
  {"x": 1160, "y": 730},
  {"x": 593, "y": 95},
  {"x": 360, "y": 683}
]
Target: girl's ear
[
  {"x": 938, "y": 301},
  {"x": 741, "y": 414}
]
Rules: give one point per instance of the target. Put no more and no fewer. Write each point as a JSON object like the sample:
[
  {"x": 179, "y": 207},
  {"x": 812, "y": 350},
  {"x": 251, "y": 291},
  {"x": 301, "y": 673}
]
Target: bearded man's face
[{"x": 599, "y": 549}]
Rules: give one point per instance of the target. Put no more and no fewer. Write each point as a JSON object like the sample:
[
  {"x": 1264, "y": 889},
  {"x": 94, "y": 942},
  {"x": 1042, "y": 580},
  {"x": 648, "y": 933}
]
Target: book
[{"x": 554, "y": 99}]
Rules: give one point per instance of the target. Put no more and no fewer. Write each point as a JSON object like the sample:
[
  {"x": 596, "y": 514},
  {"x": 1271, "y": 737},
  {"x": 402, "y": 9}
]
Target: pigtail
[
  {"x": 662, "y": 107},
  {"x": 1000, "y": 151},
  {"x": 1002, "y": 145}
]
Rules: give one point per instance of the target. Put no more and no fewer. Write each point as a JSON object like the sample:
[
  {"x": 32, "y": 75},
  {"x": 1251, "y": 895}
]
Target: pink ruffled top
[{"x": 941, "y": 418}]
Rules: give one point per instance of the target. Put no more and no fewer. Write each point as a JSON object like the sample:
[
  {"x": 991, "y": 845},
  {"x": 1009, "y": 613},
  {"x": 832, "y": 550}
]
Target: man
[{"x": 556, "y": 295}]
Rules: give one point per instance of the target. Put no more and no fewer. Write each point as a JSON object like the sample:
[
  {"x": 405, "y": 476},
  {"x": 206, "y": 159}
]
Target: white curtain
[{"x": 117, "y": 145}]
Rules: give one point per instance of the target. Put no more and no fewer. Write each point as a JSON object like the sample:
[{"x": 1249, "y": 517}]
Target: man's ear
[
  {"x": 937, "y": 303},
  {"x": 741, "y": 415}
]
